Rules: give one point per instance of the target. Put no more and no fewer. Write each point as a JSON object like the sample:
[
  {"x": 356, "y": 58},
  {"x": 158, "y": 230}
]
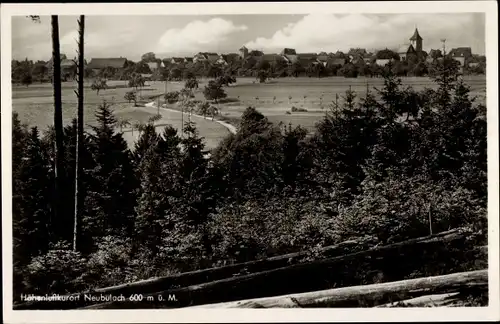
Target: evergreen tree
[
  {"x": 147, "y": 139},
  {"x": 32, "y": 202},
  {"x": 111, "y": 191},
  {"x": 342, "y": 144},
  {"x": 393, "y": 136},
  {"x": 19, "y": 135},
  {"x": 159, "y": 171},
  {"x": 444, "y": 73},
  {"x": 295, "y": 160},
  {"x": 193, "y": 175}
]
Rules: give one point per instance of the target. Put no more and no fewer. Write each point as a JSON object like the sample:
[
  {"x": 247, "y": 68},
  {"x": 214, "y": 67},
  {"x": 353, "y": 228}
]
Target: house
[
  {"x": 462, "y": 55},
  {"x": 356, "y": 59},
  {"x": 405, "y": 51},
  {"x": 188, "y": 60},
  {"x": 310, "y": 56},
  {"x": 49, "y": 63},
  {"x": 229, "y": 59},
  {"x": 290, "y": 54},
  {"x": 146, "y": 76},
  {"x": 382, "y": 62},
  {"x": 461, "y": 52},
  {"x": 98, "y": 64},
  {"x": 200, "y": 57},
  {"x": 307, "y": 59},
  {"x": 322, "y": 58},
  {"x": 68, "y": 67},
  {"x": 211, "y": 57},
  {"x": 177, "y": 60},
  {"x": 222, "y": 60},
  {"x": 205, "y": 57},
  {"x": 337, "y": 54},
  {"x": 355, "y": 53},
  {"x": 369, "y": 58},
  {"x": 433, "y": 54},
  {"x": 232, "y": 58},
  {"x": 154, "y": 66},
  {"x": 274, "y": 59},
  {"x": 255, "y": 53},
  {"x": 339, "y": 62},
  {"x": 243, "y": 52}
]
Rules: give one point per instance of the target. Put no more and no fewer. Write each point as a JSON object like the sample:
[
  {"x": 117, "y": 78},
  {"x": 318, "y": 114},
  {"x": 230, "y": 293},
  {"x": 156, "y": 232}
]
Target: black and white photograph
[{"x": 186, "y": 157}]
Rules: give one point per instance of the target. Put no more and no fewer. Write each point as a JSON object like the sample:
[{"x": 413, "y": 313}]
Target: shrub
[
  {"x": 172, "y": 97},
  {"x": 112, "y": 257},
  {"x": 398, "y": 209},
  {"x": 131, "y": 96},
  {"x": 59, "y": 271},
  {"x": 298, "y": 109}
]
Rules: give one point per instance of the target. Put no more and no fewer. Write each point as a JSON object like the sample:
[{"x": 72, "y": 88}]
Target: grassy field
[
  {"x": 272, "y": 98},
  {"x": 35, "y": 103}
]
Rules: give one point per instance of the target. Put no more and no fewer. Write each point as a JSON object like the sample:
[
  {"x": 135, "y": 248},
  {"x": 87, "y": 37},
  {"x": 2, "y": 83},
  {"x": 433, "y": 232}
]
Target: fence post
[{"x": 430, "y": 218}]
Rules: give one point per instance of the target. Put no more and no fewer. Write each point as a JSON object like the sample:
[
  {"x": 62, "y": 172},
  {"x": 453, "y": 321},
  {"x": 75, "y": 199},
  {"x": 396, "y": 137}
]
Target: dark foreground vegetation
[{"x": 387, "y": 170}]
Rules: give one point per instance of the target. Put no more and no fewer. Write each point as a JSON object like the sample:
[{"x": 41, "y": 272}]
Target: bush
[
  {"x": 60, "y": 271},
  {"x": 172, "y": 97},
  {"x": 112, "y": 257},
  {"x": 398, "y": 209},
  {"x": 295, "y": 109}
]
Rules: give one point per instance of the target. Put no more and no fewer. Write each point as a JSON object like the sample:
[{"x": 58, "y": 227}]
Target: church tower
[
  {"x": 243, "y": 52},
  {"x": 417, "y": 41}
]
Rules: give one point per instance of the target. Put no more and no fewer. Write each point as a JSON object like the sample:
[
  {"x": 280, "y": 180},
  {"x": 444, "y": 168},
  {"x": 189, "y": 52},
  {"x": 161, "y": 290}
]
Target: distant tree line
[{"x": 26, "y": 72}]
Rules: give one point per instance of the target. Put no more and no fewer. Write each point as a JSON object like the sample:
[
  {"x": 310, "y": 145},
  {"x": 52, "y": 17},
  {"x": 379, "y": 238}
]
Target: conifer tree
[
  {"x": 32, "y": 214},
  {"x": 111, "y": 191},
  {"x": 295, "y": 162},
  {"x": 342, "y": 145},
  {"x": 147, "y": 139},
  {"x": 158, "y": 171}
]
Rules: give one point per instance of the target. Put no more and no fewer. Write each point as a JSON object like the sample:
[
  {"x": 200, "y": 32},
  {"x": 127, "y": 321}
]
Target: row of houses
[{"x": 289, "y": 56}]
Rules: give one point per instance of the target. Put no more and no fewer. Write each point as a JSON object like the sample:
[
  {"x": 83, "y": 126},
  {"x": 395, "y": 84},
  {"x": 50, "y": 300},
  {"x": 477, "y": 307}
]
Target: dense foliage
[{"x": 394, "y": 165}]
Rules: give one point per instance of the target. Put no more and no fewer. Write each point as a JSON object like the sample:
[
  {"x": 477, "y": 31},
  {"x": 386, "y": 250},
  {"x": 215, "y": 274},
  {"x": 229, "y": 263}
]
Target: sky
[{"x": 167, "y": 36}]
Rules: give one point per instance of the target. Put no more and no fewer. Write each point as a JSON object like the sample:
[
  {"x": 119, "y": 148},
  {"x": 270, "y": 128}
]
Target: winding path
[
  {"x": 212, "y": 131},
  {"x": 230, "y": 127}
]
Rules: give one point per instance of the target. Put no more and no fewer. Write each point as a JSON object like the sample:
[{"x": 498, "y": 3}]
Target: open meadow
[{"x": 274, "y": 99}]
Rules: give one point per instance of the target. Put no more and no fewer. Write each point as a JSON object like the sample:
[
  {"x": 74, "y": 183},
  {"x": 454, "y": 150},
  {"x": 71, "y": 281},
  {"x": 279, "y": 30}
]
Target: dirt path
[
  {"x": 230, "y": 127},
  {"x": 212, "y": 132}
]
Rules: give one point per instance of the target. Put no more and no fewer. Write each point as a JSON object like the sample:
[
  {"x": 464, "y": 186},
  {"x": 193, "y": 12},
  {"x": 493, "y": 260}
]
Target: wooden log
[
  {"x": 363, "y": 295},
  {"x": 204, "y": 275},
  {"x": 289, "y": 279},
  {"x": 425, "y": 301}
]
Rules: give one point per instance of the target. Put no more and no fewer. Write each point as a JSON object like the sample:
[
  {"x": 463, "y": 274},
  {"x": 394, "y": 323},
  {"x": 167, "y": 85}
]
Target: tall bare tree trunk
[
  {"x": 58, "y": 126},
  {"x": 79, "y": 135}
]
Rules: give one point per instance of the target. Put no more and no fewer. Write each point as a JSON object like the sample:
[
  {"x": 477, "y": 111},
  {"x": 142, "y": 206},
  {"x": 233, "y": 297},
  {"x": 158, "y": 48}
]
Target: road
[{"x": 212, "y": 131}]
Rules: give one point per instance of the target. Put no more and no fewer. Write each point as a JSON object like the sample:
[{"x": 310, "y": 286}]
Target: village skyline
[{"x": 186, "y": 36}]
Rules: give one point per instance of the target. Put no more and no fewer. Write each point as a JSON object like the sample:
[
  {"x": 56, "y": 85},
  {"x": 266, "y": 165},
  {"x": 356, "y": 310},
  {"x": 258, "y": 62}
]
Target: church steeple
[{"x": 416, "y": 40}]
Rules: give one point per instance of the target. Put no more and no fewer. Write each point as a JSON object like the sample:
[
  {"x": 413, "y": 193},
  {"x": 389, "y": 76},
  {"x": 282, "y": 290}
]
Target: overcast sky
[{"x": 132, "y": 36}]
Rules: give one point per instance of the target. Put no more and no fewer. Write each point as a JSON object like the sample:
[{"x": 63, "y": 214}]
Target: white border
[{"x": 252, "y": 315}]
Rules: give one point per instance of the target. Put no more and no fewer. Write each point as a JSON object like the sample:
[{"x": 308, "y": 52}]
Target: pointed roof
[
  {"x": 405, "y": 48},
  {"x": 243, "y": 48},
  {"x": 101, "y": 63},
  {"x": 416, "y": 36}
]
